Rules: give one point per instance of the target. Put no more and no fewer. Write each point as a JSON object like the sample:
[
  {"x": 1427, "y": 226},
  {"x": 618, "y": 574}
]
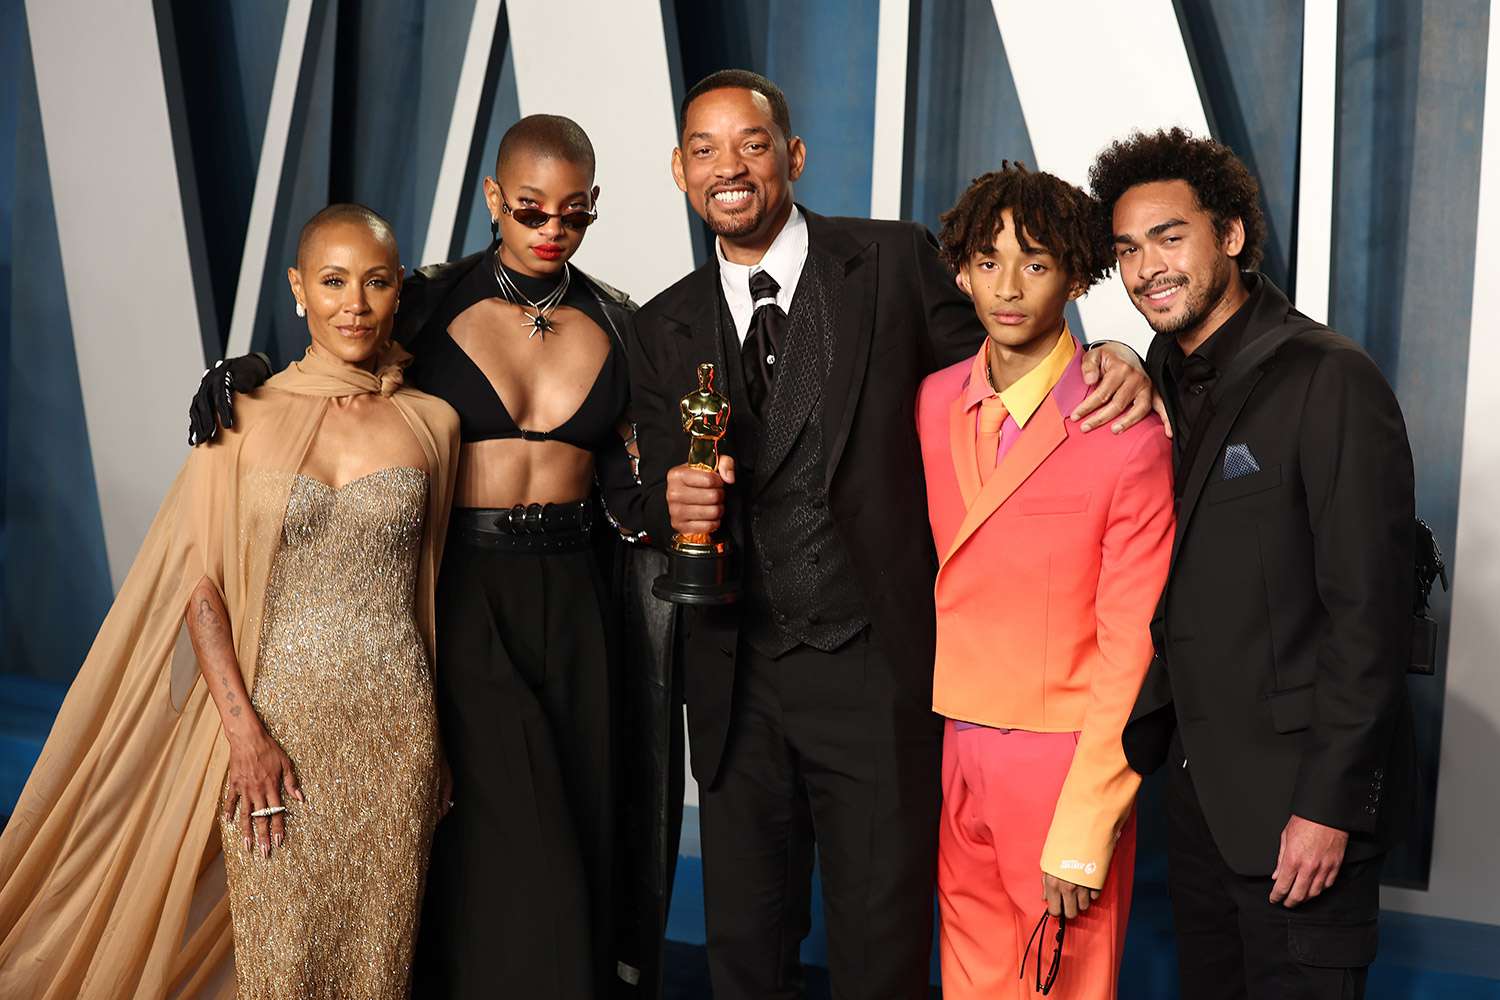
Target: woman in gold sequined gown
[
  {"x": 295, "y": 736},
  {"x": 343, "y": 687}
]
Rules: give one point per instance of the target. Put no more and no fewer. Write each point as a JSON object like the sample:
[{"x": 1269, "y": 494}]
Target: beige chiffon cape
[{"x": 111, "y": 877}]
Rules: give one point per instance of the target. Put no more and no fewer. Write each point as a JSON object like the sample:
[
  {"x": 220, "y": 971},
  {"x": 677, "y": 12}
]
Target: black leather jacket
[{"x": 647, "y": 723}]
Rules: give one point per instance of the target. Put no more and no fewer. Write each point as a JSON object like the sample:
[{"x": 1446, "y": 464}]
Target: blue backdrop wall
[{"x": 383, "y": 73}]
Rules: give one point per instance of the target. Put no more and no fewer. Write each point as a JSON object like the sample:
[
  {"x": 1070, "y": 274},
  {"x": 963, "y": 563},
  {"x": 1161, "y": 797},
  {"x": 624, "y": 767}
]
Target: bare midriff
[
  {"x": 543, "y": 381},
  {"x": 505, "y": 473}
]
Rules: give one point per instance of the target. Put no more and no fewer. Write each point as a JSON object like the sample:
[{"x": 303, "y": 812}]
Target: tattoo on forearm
[{"x": 211, "y": 624}]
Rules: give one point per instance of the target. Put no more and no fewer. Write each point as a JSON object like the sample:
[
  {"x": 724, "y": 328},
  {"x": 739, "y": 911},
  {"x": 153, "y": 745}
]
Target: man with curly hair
[
  {"x": 1052, "y": 548},
  {"x": 1278, "y": 691}
]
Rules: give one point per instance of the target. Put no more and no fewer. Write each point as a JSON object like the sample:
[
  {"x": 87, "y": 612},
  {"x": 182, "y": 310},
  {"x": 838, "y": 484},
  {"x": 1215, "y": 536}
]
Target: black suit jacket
[
  {"x": 901, "y": 317},
  {"x": 1284, "y": 631}
]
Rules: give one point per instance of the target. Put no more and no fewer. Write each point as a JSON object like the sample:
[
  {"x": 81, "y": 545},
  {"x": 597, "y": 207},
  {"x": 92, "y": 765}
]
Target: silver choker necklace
[{"x": 538, "y": 315}]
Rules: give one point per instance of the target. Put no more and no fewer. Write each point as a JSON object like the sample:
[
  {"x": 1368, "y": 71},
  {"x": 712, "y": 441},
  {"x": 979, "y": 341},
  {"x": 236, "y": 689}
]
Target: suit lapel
[
  {"x": 1226, "y": 412},
  {"x": 854, "y": 312},
  {"x": 1277, "y": 322},
  {"x": 961, "y": 429},
  {"x": 699, "y": 322},
  {"x": 1043, "y": 433}
]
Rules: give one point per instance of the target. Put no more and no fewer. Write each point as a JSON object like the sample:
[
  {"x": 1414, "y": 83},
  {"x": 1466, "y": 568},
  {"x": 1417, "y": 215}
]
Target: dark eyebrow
[
  {"x": 756, "y": 130},
  {"x": 333, "y": 267},
  {"x": 700, "y": 135},
  {"x": 1162, "y": 227},
  {"x": 538, "y": 191},
  {"x": 539, "y": 194}
]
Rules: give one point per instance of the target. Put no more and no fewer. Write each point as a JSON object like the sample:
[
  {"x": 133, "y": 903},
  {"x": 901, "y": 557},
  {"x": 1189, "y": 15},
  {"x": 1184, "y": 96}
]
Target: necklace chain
[{"x": 540, "y": 316}]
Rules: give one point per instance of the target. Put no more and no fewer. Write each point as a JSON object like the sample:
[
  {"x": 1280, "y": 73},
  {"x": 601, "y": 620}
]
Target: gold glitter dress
[{"x": 343, "y": 685}]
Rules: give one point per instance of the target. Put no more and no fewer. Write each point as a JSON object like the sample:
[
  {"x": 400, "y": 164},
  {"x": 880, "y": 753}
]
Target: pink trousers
[{"x": 999, "y": 791}]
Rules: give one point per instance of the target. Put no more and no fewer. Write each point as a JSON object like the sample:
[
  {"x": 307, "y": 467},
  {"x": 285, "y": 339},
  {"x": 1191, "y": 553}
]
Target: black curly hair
[
  {"x": 1059, "y": 217},
  {"x": 1224, "y": 186}
]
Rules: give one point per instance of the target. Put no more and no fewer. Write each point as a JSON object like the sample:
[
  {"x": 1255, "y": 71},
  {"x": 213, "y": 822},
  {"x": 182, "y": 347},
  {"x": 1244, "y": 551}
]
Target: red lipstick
[{"x": 548, "y": 251}]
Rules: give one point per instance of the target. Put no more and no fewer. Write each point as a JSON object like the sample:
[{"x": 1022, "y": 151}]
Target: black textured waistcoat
[{"x": 799, "y": 585}]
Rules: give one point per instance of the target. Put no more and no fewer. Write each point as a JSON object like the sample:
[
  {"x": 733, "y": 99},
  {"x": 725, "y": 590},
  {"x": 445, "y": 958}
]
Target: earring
[
  {"x": 494, "y": 228},
  {"x": 301, "y": 309}
]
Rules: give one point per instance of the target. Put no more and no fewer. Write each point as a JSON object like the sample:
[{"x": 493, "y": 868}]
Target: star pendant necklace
[{"x": 538, "y": 315}]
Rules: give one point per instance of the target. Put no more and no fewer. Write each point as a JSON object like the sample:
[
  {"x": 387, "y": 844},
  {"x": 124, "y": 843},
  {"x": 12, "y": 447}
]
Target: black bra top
[{"x": 445, "y": 370}]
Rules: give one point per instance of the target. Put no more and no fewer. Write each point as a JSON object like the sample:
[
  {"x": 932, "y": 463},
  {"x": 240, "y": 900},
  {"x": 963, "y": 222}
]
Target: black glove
[{"x": 216, "y": 394}]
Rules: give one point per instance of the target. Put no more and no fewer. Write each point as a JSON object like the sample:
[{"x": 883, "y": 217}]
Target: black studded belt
[{"x": 535, "y": 527}]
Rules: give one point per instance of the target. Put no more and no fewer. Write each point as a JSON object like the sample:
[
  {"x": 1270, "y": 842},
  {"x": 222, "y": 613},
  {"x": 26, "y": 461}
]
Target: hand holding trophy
[{"x": 698, "y": 564}]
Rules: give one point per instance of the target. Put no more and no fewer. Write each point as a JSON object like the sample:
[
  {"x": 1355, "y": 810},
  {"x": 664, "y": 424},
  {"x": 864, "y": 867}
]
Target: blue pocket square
[{"x": 1239, "y": 462}]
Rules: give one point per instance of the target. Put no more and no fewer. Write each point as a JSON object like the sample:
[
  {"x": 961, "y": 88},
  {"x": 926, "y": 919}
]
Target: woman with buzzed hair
[
  {"x": 287, "y": 736},
  {"x": 521, "y": 894}
]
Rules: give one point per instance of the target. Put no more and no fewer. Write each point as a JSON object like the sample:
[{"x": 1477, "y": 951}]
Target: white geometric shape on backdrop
[
  {"x": 624, "y": 102},
  {"x": 1087, "y": 71},
  {"x": 127, "y": 268}
]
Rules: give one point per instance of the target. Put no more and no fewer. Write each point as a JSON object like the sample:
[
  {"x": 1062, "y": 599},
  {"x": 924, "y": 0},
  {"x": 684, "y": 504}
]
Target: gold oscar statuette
[{"x": 698, "y": 567}]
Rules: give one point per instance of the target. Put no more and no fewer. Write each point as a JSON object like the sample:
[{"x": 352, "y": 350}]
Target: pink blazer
[{"x": 1048, "y": 577}]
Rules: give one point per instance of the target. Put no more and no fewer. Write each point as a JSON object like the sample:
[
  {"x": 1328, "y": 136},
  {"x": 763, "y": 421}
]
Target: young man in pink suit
[{"x": 1053, "y": 546}]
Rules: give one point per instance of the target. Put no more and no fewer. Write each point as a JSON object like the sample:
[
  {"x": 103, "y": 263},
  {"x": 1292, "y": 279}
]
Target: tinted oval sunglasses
[
  {"x": 535, "y": 218},
  {"x": 1045, "y": 983}
]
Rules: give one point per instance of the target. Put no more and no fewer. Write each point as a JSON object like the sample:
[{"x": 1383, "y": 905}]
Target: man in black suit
[
  {"x": 809, "y": 701},
  {"x": 1278, "y": 692}
]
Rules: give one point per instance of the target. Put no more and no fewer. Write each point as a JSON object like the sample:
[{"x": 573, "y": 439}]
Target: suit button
[
  {"x": 819, "y": 502},
  {"x": 812, "y": 558}
]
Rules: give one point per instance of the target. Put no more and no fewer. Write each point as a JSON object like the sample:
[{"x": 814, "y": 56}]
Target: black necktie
[{"x": 762, "y": 348}]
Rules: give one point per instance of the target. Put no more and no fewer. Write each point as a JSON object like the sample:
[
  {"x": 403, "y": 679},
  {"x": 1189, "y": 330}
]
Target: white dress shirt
[{"x": 783, "y": 259}]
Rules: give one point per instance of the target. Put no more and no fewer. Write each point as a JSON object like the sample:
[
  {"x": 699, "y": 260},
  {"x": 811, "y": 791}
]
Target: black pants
[
  {"x": 1234, "y": 944},
  {"x": 822, "y": 746},
  {"x": 518, "y": 893}
]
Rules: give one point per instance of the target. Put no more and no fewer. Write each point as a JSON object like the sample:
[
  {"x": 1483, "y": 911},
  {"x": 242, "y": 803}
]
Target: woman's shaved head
[
  {"x": 548, "y": 136},
  {"x": 346, "y": 212}
]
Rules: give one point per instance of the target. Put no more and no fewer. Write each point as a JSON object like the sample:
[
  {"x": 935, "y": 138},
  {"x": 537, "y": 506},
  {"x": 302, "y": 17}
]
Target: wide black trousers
[
  {"x": 824, "y": 749},
  {"x": 1233, "y": 943},
  {"x": 518, "y": 892}
]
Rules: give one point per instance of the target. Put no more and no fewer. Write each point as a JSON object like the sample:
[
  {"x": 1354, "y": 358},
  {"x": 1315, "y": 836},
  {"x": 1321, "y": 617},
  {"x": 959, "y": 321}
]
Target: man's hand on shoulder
[
  {"x": 1310, "y": 858},
  {"x": 1122, "y": 390},
  {"x": 213, "y": 403}
]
